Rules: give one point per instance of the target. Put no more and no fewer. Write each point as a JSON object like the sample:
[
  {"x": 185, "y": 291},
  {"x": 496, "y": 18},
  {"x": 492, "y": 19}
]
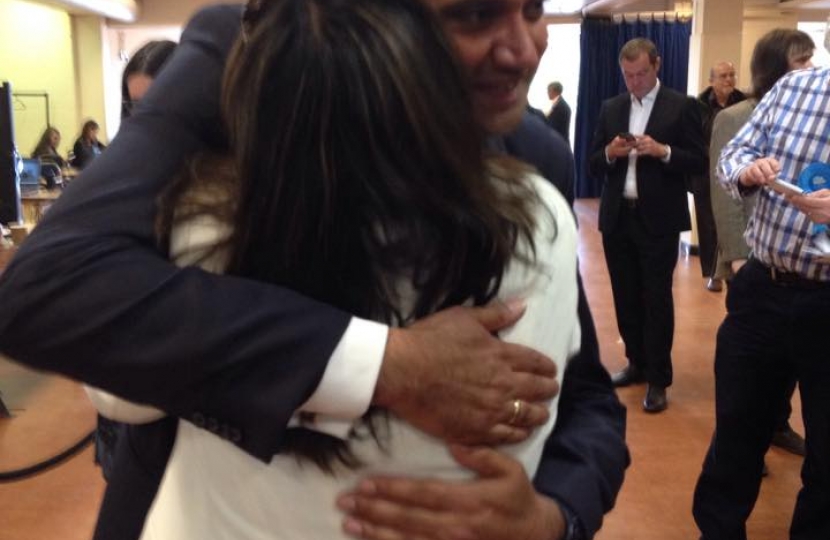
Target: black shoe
[
  {"x": 715, "y": 285},
  {"x": 655, "y": 400},
  {"x": 628, "y": 376},
  {"x": 789, "y": 440}
]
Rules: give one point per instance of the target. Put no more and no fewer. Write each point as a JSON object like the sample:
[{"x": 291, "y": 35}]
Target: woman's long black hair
[{"x": 357, "y": 166}]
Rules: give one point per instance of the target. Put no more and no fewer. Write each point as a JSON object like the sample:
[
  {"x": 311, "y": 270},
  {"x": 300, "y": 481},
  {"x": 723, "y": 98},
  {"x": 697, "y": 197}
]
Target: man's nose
[{"x": 520, "y": 44}]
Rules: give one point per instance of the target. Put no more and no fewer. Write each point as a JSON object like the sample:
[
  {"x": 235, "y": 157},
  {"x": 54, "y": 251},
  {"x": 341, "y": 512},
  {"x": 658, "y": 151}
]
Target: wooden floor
[{"x": 51, "y": 414}]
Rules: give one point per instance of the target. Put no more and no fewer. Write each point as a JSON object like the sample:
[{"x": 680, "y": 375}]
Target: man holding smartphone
[{"x": 646, "y": 142}]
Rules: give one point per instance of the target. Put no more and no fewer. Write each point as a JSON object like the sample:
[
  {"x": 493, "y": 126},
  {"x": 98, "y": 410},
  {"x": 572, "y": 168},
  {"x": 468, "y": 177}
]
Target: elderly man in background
[{"x": 720, "y": 94}]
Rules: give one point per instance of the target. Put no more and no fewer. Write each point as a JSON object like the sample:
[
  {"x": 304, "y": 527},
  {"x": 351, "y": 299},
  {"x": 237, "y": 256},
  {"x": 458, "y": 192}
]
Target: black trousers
[
  {"x": 641, "y": 267},
  {"x": 772, "y": 332}
]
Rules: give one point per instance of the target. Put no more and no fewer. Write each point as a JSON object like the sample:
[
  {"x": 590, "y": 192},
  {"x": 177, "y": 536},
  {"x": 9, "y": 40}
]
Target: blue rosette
[{"x": 814, "y": 177}]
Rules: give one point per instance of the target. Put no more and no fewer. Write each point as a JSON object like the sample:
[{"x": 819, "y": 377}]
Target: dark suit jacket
[
  {"x": 534, "y": 143},
  {"x": 235, "y": 356},
  {"x": 661, "y": 187},
  {"x": 559, "y": 118}
]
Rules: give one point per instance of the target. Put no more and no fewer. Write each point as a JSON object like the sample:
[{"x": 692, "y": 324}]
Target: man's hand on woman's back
[{"x": 450, "y": 376}]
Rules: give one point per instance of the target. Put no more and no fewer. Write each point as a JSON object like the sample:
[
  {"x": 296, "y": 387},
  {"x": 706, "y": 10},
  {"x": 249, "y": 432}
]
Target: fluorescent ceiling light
[
  {"x": 563, "y": 6},
  {"x": 120, "y": 10}
]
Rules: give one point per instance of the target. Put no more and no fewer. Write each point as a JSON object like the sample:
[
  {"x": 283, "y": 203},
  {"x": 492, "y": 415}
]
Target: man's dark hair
[
  {"x": 772, "y": 55},
  {"x": 637, "y": 46}
]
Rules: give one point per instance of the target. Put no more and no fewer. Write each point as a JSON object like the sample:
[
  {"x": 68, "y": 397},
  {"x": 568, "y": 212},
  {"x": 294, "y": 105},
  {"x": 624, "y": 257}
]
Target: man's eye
[
  {"x": 472, "y": 14},
  {"x": 533, "y": 11}
]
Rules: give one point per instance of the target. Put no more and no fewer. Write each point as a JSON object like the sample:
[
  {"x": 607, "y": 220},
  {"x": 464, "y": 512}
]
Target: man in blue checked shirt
[{"x": 778, "y": 319}]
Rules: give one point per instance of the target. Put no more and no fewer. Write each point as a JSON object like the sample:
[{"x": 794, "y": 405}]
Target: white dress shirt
[{"x": 637, "y": 122}]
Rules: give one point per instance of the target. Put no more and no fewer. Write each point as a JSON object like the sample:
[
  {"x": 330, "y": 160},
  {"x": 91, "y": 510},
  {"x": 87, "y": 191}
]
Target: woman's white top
[{"x": 213, "y": 490}]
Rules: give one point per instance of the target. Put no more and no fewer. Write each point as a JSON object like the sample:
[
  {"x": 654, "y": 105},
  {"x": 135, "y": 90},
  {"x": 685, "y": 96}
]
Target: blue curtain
[{"x": 600, "y": 77}]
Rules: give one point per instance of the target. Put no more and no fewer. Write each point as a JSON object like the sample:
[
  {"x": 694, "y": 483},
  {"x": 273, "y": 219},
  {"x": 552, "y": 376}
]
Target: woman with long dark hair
[
  {"x": 357, "y": 175},
  {"x": 47, "y": 148},
  {"x": 87, "y": 146}
]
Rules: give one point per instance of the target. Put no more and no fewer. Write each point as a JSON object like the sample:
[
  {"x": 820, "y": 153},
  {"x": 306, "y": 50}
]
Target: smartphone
[
  {"x": 629, "y": 137},
  {"x": 786, "y": 188}
]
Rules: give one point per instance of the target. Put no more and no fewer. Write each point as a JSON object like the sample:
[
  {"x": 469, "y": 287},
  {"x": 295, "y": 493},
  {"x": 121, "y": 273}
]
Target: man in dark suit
[
  {"x": 646, "y": 142},
  {"x": 240, "y": 357},
  {"x": 532, "y": 142},
  {"x": 559, "y": 117}
]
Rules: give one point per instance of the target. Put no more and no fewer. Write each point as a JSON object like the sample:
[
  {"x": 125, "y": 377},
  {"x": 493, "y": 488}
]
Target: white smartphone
[{"x": 785, "y": 188}]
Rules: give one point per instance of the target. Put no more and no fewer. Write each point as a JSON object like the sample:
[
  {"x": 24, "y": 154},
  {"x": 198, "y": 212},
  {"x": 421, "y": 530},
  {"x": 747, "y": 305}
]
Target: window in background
[
  {"x": 816, "y": 31},
  {"x": 560, "y": 63}
]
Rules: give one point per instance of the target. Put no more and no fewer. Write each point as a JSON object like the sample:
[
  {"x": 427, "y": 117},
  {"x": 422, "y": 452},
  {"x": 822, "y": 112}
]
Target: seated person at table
[
  {"x": 375, "y": 195},
  {"x": 47, "y": 148},
  {"x": 87, "y": 147}
]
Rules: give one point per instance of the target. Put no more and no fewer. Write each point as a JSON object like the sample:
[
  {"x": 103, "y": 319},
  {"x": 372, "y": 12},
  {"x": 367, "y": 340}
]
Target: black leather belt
[{"x": 788, "y": 279}]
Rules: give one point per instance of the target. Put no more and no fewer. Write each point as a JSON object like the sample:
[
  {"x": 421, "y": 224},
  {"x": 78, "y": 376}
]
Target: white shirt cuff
[
  {"x": 348, "y": 384},
  {"x": 667, "y": 157}
]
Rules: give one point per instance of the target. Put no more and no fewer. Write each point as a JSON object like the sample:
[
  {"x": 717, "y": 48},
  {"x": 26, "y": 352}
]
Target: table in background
[{"x": 36, "y": 203}]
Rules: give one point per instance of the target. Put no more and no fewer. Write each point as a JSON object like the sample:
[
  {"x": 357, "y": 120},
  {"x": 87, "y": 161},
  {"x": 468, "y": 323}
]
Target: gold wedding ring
[{"x": 517, "y": 411}]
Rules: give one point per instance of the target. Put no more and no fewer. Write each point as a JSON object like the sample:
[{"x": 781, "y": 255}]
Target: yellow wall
[
  {"x": 89, "y": 62},
  {"x": 36, "y": 55}
]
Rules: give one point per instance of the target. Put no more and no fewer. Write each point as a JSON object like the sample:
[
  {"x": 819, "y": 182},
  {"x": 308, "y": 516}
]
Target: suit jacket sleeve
[
  {"x": 91, "y": 295},
  {"x": 603, "y": 134},
  {"x": 585, "y": 457},
  {"x": 533, "y": 143},
  {"x": 690, "y": 155}
]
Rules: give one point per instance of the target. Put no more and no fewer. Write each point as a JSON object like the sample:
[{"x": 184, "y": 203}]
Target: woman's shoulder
[{"x": 551, "y": 199}]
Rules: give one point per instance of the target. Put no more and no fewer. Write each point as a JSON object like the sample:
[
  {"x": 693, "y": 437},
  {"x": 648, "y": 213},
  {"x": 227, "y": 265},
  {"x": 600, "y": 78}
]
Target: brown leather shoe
[
  {"x": 656, "y": 400},
  {"x": 714, "y": 284},
  {"x": 628, "y": 376}
]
